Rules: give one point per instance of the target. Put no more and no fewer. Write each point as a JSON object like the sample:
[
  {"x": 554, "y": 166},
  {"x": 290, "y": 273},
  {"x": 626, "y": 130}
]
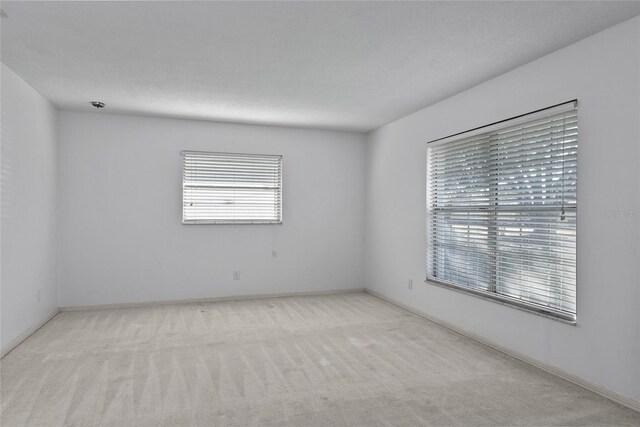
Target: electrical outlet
[
  {"x": 236, "y": 275},
  {"x": 410, "y": 283},
  {"x": 38, "y": 295}
]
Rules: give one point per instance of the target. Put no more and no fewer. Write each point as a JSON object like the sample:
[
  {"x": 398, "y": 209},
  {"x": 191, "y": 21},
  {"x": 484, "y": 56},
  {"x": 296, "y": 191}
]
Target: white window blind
[
  {"x": 228, "y": 188},
  {"x": 502, "y": 211}
]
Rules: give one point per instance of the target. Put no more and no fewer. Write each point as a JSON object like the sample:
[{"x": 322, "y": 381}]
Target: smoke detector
[{"x": 97, "y": 104}]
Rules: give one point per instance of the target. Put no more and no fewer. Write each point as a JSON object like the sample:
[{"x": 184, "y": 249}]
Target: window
[
  {"x": 227, "y": 188},
  {"x": 502, "y": 208}
]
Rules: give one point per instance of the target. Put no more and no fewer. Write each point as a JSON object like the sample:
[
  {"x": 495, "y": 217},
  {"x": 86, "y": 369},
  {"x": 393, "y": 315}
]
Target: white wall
[
  {"x": 603, "y": 72},
  {"x": 28, "y": 224},
  {"x": 121, "y": 234}
]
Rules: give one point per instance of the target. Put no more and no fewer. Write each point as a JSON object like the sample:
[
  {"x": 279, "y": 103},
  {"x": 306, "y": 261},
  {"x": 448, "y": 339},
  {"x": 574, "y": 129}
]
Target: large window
[
  {"x": 502, "y": 208},
  {"x": 228, "y": 188}
]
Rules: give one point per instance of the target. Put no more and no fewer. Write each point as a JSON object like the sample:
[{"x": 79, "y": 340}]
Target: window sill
[
  {"x": 511, "y": 302},
  {"x": 214, "y": 222}
]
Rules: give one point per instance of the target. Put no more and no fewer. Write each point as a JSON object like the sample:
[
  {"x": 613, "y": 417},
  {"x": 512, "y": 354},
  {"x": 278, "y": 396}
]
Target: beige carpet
[{"x": 337, "y": 360}]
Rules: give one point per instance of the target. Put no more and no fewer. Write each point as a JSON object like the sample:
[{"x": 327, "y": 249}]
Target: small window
[
  {"x": 229, "y": 188},
  {"x": 502, "y": 210}
]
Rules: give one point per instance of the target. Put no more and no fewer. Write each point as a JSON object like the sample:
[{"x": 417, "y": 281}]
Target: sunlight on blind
[{"x": 502, "y": 213}]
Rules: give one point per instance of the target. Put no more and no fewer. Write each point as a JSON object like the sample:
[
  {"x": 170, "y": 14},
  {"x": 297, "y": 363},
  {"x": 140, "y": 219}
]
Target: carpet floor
[{"x": 331, "y": 360}]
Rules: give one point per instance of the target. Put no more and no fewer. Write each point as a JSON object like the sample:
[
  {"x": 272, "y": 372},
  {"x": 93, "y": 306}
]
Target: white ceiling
[{"x": 353, "y": 66}]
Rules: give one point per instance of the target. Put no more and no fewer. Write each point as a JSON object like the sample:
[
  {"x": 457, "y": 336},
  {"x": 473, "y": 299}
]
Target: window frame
[
  {"x": 218, "y": 221},
  {"x": 491, "y": 294}
]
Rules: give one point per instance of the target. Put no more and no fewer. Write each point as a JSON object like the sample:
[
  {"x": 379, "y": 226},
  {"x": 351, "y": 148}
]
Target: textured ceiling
[{"x": 353, "y": 66}]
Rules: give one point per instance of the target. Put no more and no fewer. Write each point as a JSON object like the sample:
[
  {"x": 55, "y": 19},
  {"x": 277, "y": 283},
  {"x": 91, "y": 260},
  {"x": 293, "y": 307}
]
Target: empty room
[{"x": 320, "y": 213}]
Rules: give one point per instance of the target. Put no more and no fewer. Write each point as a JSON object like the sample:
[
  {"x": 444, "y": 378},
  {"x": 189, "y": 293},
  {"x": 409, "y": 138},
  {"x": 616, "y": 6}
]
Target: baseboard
[
  {"x": 207, "y": 299},
  {"x": 26, "y": 334},
  {"x": 611, "y": 395}
]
